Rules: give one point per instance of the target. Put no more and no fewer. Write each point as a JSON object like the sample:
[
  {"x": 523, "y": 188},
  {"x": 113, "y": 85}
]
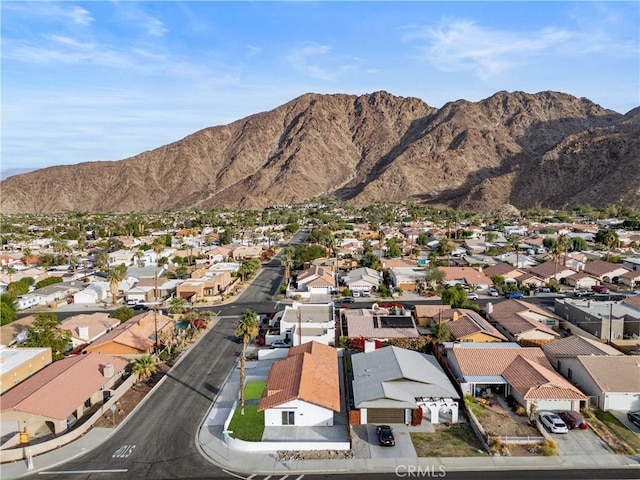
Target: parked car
[
  {"x": 493, "y": 292},
  {"x": 573, "y": 420},
  {"x": 514, "y": 295},
  {"x": 346, "y": 300},
  {"x": 472, "y": 296},
  {"x": 140, "y": 307},
  {"x": 553, "y": 423},
  {"x": 634, "y": 417},
  {"x": 280, "y": 344},
  {"x": 385, "y": 436},
  {"x": 600, "y": 289},
  {"x": 584, "y": 293}
]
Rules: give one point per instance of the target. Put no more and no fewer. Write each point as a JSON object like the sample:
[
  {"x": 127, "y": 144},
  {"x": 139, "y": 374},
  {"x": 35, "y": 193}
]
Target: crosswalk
[{"x": 255, "y": 476}]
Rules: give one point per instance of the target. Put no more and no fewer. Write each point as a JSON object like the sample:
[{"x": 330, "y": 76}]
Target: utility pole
[{"x": 610, "y": 321}]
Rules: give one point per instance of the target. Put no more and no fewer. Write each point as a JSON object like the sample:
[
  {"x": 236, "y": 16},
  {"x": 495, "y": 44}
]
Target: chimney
[
  {"x": 108, "y": 370},
  {"x": 489, "y": 308},
  {"x": 83, "y": 332},
  {"x": 369, "y": 346}
]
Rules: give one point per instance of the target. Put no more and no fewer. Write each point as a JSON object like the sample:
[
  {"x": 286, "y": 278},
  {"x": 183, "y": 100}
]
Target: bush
[
  {"x": 549, "y": 448},
  {"x": 521, "y": 411},
  {"x": 48, "y": 281}
]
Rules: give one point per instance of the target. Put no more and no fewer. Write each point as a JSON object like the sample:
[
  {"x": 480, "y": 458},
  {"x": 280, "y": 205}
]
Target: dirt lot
[
  {"x": 130, "y": 399},
  {"x": 495, "y": 420},
  {"x": 448, "y": 441}
]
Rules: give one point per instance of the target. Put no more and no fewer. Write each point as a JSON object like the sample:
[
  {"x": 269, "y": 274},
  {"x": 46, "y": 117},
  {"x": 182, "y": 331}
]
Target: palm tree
[
  {"x": 514, "y": 243},
  {"x": 564, "y": 242},
  {"x": 139, "y": 256},
  {"x": 114, "y": 277},
  {"x": 144, "y": 367},
  {"x": 287, "y": 263},
  {"x": 609, "y": 239},
  {"x": 26, "y": 256},
  {"x": 177, "y": 305},
  {"x": 556, "y": 251},
  {"x": 158, "y": 248},
  {"x": 247, "y": 328}
]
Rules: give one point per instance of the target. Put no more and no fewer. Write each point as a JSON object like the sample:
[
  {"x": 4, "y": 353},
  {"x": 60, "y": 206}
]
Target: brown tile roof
[
  {"x": 138, "y": 332},
  {"x": 533, "y": 381},
  {"x": 430, "y": 311},
  {"x": 548, "y": 269},
  {"x": 468, "y": 324},
  {"x": 518, "y": 317},
  {"x": 600, "y": 267},
  {"x": 10, "y": 331},
  {"x": 633, "y": 301},
  {"x": 468, "y": 274},
  {"x": 575, "y": 345},
  {"x": 309, "y": 373},
  {"x": 59, "y": 389},
  {"x": 502, "y": 269},
  {"x": 619, "y": 374},
  {"x": 494, "y": 361}
]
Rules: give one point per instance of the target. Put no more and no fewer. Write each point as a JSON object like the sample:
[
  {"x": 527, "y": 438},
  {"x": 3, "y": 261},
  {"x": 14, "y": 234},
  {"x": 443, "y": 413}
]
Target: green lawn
[
  {"x": 618, "y": 429},
  {"x": 249, "y": 426},
  {"x": 253, "y": 390}
]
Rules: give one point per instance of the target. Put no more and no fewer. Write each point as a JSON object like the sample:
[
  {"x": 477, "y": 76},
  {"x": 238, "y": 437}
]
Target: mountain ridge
[{"x": 547, "y": 149}]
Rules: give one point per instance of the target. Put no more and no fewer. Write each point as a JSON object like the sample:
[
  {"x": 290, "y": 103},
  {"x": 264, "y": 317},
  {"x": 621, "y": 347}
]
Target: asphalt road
[{"x": 158, "y": 440}]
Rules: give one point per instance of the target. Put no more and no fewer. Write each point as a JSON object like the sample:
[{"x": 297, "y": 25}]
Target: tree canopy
[{"x": 47, "y": 332}]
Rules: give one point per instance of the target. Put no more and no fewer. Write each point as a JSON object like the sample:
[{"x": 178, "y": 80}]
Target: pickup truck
[{"x": 600, "y": 289}]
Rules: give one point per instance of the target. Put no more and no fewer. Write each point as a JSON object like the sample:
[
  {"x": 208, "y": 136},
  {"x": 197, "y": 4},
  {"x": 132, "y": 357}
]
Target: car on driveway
[
  {"x": 573, "y": 420},
  {"x": 472, "y": 296},
  {"x": 552, "y": 422},
  {"x": 600, "y": 289},
  {"x": 385, "y": 436},
  {"x": 493, "y": 292},
  {"x": 634, "y": 417},
  {"x": 584, "y": 293},
  {"x": 514, "y": 295}
]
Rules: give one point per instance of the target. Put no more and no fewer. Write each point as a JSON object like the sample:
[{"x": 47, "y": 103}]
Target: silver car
[{"x": 553, "y": 423}]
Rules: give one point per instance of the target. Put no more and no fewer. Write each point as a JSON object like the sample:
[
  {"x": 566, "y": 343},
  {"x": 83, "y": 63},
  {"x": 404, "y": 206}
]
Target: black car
[
  {"x": 140, "y": 307},
  {"x": 385, "y": 435},
  {"x": 634, "y": 417}
]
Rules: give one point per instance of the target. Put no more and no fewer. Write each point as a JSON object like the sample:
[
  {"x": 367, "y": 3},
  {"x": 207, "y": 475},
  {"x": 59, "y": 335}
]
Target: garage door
[
  {"x": 553, "y": 405},
  {"x": 623, "y": 402},
  {"x": 385, "y": 415}
]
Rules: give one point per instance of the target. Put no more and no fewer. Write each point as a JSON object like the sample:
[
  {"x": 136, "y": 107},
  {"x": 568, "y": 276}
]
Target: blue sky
[{"x": 86, "y": 81}]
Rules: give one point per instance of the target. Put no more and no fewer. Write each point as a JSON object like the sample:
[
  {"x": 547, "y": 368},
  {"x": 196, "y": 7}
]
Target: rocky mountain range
[{"x": 547, "y": 149}]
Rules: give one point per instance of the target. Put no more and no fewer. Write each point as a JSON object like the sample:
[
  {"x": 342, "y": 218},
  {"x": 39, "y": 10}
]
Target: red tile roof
[
  {"x": 494, "y": 361},
  {"x": 533, "y": 381},
  {"x": 309, "y": 373}
]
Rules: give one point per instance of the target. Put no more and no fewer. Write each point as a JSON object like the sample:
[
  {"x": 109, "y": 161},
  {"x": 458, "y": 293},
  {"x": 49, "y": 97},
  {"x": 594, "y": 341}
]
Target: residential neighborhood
[{"x": 423, "y": 326}]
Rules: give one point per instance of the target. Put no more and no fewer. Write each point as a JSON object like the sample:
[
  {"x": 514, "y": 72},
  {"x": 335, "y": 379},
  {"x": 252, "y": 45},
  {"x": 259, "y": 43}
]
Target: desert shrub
[
  {"x": 549, "y": 448},
  {"x": 521, "y": 411}
]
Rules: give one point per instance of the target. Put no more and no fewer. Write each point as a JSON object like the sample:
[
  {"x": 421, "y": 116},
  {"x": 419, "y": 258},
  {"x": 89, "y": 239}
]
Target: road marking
[
  {"x": 123, "y": 452},
  {"x": 237, "y": 476},
  {"x": 282, "y": 478},
  {"x": 299, "y": 477},
  {"x": 83, "y": 472},
  {"x": 251, "y": 476},
  {"x": 268, "y": 477}
]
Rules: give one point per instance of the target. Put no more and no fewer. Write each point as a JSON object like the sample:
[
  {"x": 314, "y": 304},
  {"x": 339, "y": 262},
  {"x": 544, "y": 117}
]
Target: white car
[
  {"x": 280, "y": 344},
  {"x": 472, "y": 296},
  {"x": 493, "y": 292},
  {"x": 553, "y": 423}
]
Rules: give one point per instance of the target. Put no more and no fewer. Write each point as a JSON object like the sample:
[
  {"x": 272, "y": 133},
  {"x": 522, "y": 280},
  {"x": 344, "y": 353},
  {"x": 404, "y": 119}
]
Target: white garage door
[
  {"x": 553, "y": 405},
  {"x": 623, "y": 402}
]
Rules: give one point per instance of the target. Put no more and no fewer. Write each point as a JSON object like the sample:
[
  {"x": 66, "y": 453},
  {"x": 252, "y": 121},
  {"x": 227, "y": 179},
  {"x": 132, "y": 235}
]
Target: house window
[
  {"x": 288, "y": 418},
  {"x": 87, "y": 403},
  {"x": 570, "y": 374}
]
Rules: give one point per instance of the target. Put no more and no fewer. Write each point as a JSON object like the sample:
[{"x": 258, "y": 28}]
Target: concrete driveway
[
  {"x": 402, "y": 449},
  {"x": 580, "y": 442},
  {"x": 622, "y": 416}
]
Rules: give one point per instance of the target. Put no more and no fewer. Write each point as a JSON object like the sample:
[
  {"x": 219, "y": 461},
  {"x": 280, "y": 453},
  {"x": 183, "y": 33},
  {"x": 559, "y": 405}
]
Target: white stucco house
[{"x": 303, "y": 389}]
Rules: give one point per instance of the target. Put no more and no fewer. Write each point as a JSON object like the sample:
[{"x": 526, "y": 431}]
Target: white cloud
[
  {"x": 52, "y": 12},
  {"x": 314, "y": 61},
  {"x": 155, "y": 27},
  {"x": 458, "y": 45}
]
